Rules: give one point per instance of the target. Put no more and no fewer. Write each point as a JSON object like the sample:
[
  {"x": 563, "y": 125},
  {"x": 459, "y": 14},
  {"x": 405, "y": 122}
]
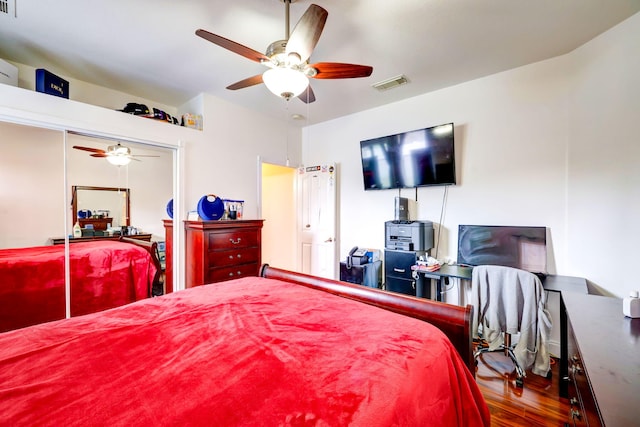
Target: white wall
[
  {"x": 528, "y": 153},
  {"x": 32, "y": 186},
  {"x": 603, "y": 199},
  {"x": 223, "y": 160}
]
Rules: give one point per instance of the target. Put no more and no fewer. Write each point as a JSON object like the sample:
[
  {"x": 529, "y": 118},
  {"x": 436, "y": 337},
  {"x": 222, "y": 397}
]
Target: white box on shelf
[{"x": 8, "y": 73}]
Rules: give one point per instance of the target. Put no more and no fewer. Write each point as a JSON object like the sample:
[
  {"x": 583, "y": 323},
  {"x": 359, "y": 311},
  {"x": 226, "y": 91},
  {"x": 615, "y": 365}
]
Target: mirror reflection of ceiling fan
[
  {"x": 118, "y": 154},
  {"x": 288, "y": 60}
]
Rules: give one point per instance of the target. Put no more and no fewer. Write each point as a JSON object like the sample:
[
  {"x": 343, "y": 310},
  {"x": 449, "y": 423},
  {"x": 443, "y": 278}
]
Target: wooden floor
[{"x": 535, "y": 404}]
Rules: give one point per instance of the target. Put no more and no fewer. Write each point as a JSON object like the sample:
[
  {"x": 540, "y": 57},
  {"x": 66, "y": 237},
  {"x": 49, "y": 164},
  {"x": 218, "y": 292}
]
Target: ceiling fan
[
  {"x": 117, "y": 154},
  {"x": 288, "y": 60}
]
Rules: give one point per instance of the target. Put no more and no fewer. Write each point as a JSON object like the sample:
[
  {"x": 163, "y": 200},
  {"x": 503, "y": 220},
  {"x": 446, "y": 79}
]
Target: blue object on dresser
[{"x": 210, "y": 207}]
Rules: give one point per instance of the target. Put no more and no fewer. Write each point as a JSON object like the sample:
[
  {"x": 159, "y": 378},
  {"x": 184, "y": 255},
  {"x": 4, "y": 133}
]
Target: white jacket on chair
[{"x": 509, "y": 300}]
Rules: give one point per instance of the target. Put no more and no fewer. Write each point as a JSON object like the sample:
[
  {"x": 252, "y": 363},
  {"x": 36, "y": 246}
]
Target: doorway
[{"x": 278, "y": 209}]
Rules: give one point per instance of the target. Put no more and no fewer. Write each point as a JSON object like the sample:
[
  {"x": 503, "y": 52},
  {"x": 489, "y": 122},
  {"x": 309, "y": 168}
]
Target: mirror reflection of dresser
[
  {"x": 95, "y": 223},
  {"x": 93, "y": 201}
]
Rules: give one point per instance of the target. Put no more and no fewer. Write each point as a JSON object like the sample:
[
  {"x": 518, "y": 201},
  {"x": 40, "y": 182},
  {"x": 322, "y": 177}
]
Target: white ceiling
[{"x": 148, "y": 48}]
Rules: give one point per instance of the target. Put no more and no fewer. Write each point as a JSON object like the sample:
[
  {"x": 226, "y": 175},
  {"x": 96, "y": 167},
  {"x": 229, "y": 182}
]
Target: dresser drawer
[
  {"x": 219, "y": 241},
  {"x": 233, "y": 257},
  {"x": 583, "y": 411},
  {"x": 233, "y": 272}
]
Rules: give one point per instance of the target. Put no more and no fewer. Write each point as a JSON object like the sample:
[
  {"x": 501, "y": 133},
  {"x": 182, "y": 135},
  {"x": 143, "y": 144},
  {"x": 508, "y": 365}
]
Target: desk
[{"x": 442, "y": 274}]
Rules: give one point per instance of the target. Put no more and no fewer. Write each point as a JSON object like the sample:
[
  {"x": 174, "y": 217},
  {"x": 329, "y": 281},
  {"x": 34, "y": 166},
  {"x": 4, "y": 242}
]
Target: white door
[{"x": 317, "y": 220}]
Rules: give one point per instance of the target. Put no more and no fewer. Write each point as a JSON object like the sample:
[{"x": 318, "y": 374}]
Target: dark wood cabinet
[
  {"x": 399, "y": 276},
  {"x": 583, "y": 410},
  {"x": 168, "y": 255},
  {"x": 603, "y": 352},
  {"x": 221, "y": 250},
  {"x": 97, "y": 223}
]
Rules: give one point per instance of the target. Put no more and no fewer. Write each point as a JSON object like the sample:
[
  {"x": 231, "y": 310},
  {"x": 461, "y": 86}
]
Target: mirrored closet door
[{"x": 47, "y": 188}]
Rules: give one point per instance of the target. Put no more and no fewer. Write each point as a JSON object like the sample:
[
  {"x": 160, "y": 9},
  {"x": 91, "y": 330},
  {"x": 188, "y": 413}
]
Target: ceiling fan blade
[
  {"x": 93, "y": 150},
  {"x": 305, "y": 35},
  {"x": 250, "y": 81},
  {"x": 99, "y": 155},
  {"x": 234, "y": 47},
  {"x": 142, "y": 155},
  {"x": 336, "y": 70},
  {"x": 307, "y": 96}
]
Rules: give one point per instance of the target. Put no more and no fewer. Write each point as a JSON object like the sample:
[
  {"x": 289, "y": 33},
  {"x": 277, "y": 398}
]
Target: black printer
[{"x": 408, "y": 235}]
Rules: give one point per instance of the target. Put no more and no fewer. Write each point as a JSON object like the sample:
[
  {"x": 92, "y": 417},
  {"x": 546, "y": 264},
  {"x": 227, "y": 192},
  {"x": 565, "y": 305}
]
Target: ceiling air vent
[
  {"x": 8, "y": 8},
  {"x": 391, "y": 83}
]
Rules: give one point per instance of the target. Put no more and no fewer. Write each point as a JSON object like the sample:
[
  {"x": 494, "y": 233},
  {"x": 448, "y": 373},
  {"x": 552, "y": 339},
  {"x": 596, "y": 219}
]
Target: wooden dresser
[
  {"x": 168, "y": 255},
  {"x": 604, "y": 361},
  {"x": 221, "y": 250},
  {"x": 97, "y": 223}
]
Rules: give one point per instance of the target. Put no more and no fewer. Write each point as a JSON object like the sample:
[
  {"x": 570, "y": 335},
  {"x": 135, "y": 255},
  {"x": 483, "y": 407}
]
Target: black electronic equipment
[
  {"x": 401, "y": 209},
  {"x": 411, "y": 159},
  {"x": 524, "y": 248},
  {"x": 408, "y": 235},
  {"x": 357, "y": 257}
]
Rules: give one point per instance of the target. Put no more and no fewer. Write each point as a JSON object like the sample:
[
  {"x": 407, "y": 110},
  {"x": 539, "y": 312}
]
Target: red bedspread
[
  {"x": 104, "y": 274},
  {"x": 249, "y": 352}
]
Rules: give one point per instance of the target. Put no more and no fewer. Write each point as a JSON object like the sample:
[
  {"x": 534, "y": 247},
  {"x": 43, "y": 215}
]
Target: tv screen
[
  {"x": 512, "y": 246},
  {"x": 411, "y": 159}
]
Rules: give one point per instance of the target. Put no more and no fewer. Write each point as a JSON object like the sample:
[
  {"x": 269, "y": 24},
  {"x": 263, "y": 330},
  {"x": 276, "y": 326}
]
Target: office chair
[{"x": 507, "y": 301}]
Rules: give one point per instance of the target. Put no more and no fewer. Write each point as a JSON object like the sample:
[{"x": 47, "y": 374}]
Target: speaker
[{"x": 401, "y": 209}]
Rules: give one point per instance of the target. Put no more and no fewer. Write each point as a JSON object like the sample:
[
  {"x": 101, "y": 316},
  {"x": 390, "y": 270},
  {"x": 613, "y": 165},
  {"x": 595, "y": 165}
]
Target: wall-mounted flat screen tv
[{"x": 411, "y": 159}]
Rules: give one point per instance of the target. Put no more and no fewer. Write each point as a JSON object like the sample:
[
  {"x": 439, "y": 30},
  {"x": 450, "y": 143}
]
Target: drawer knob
[
  {"x": 573, "y": 401},
  {"x": 399, "y": 270},
  {"x": 239, "y": 256},
  {"x": 235, "y": 242},
  {"x": 231, "y": 274},
  {"x": 575, "y": 414}
]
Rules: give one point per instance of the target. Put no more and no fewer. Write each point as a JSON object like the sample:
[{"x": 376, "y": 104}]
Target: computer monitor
[{"x": 519, "y": 247}]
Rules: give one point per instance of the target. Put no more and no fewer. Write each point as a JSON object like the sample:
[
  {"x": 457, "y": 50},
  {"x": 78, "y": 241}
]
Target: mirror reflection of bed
[{"x": 39, "y": 169}]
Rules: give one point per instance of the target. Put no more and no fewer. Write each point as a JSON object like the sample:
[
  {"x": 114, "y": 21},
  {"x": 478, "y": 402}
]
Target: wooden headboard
[{"x": 453, "y": 320}]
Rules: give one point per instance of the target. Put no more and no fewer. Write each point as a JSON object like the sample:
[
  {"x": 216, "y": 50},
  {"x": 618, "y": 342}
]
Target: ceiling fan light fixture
[
  {"x": 285, "y": 82},
  {"x": 119, "y": 159}
]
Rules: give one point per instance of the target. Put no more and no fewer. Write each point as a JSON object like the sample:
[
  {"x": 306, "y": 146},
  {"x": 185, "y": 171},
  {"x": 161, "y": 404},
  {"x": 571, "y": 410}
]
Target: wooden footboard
[
  {"x": 454, "y": 321},
  {"x": 152, "y": 248}
]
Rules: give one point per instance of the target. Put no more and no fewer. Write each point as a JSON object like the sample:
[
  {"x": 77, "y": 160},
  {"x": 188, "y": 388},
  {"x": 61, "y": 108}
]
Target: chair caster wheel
[{"x": 519, "y": 382}]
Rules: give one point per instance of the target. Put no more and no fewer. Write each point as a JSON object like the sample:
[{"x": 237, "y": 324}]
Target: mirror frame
[{"x": 74, "y": 200}]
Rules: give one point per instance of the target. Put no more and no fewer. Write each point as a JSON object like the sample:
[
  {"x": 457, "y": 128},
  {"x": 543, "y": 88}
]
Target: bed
[
  {"x": 283, "y": 349},
  {"x": 103, "y": 274}
]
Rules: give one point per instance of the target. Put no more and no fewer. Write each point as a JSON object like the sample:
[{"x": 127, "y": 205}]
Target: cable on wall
[{"x": 444, "y": 201}]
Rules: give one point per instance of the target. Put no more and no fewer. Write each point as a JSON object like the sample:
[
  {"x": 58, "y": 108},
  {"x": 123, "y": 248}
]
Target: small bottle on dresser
[{"x": 631, "y": 305}]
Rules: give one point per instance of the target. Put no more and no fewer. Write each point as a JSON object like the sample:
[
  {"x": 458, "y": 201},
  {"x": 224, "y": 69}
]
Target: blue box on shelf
[{"x": 49, "y": 83}]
